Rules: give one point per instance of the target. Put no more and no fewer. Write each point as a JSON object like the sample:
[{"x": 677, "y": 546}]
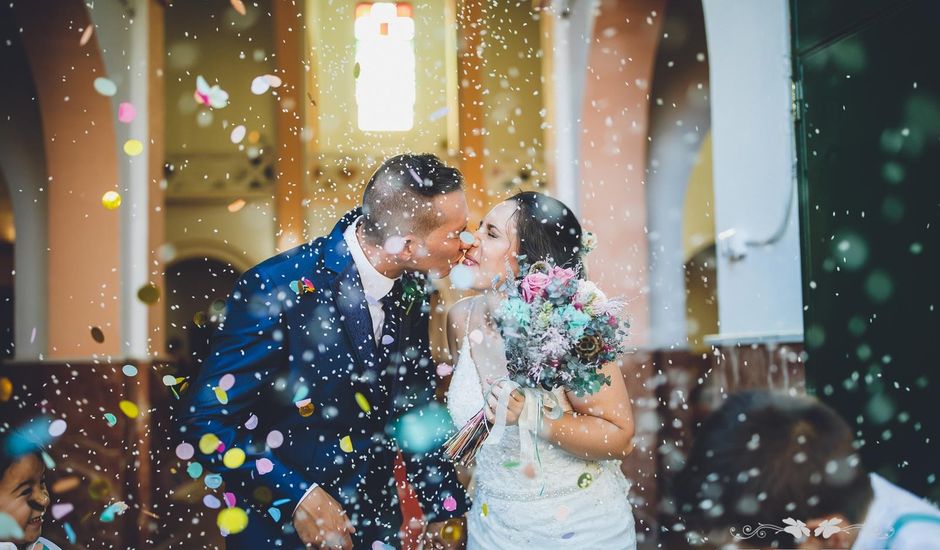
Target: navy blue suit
[{"x": 282, "y": 346}]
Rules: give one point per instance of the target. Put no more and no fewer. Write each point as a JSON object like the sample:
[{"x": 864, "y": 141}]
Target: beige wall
[
  {"x": 209, "y": 38},
  {"x": 84, "y": 256},
  {"x": 613, "y": 152},
  {"x": 512, "y": 80}
]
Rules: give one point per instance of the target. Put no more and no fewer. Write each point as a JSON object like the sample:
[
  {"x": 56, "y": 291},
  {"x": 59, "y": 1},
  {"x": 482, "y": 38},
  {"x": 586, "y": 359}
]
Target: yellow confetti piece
[
  {"x": 233, "y": 458},
  {"x": 133, "y": 147},
  {"x": 221, "y": 395},
  {"x": 452, "y": 532},
  {"x": 485, "y": 509},
  {"x": 129, "y": 408},
  {"x": 363, "y": 403},
  {"x": 208, "y": 443},
  {"x": 346, "y": 444},
  {"x": 232, "y": 520},
  {"x": 6, "y": 389},
  {"x": 149, "y": 294},
  {"x": 111, "y": 200},
  {"x": 305, "y": 410}
]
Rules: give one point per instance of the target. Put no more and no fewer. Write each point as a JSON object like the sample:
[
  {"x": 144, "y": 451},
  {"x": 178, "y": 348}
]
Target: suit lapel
[{"x": 351, "y": 303}]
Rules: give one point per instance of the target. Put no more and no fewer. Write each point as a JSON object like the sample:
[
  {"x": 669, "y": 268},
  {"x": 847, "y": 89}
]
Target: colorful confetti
[
  {"x": 363, "y": 403},
  {"x": 129, "y": 370},
  {"x": 149, "y": 294},
  {"x": 450, "y": 504},
  {"x": 443, "y": 369},
  {"x": 238, "y": 134},
  {"x": 126, "y": 112},
  {"x": 128, "y": 408},
  {"x": 211, "y": 501},
  {"x": 133, "y": 147},
  {"x": 585, "y": 480},
  {"x": 110, "y": 419},
  {"x": 105, "y": 86},
  {"x": 221, "y": 395},
  {"x": 233, "y": 458},
  {"x": 194, "y": 469},
  {"x": 232, "y": 520},
  {"x": 97, "y": 335},
  {"x": 275, "y": 439},
  {"x": 345, "y": 443},
  {"x": 251, "y": 423},
  {"x": 239, "y": 6},
  {"x": 111, "y": 200},
  {"x": 208, "y": 443},
  {"x": 6, "y": 389},
  {"x": 86, "y": 35},
  {"x": 57, "y": 427},
  {"x": 61, "y": 510},
  {"x": 185, "y": 451},
  {"x": 264, "y": 466},
  {"x": 210, "y": 96},
  {"x": 213, "y": 481}
]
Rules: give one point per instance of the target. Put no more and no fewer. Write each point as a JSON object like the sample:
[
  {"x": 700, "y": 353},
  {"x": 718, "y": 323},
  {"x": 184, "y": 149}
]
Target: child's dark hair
[
  {"x": 765, "y": 456},
  {"x": 547, "y": 230}
]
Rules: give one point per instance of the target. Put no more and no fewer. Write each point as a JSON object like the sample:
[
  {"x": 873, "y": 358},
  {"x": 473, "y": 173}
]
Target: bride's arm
[{"x": 600, "y": 426}]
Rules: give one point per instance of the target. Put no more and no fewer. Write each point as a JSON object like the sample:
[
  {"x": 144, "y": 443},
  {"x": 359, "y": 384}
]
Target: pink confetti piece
[
  {"x": 444, "y": 369},
  {"x": 126, "y": 112},
  {"x": 476, "y": 336},
  {"x": 275, "y": 439},
  {"x": 252, "y": 422},
  {"x": 230, "y": 499},
  {"x": 450, "y": 504},
  {"x": 185, "y": 451},
  {"x": 32, "y": 337},
  {"x": 227, "y": 381},
  {"x": 264, "y": 466},
  {"x": 220, "y": 448},
  {"x": 59, "y": 511}
]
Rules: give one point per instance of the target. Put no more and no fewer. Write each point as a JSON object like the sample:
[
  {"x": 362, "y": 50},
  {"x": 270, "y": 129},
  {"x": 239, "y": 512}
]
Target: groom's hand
[{"x": 322, "y": 523}]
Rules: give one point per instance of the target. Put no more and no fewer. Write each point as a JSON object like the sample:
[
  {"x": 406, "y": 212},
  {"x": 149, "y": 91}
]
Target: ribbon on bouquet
[{"x": 539, "y": 403}]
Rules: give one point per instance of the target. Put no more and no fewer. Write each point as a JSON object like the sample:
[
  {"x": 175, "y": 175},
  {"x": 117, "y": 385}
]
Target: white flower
[
  {"x": 796, "y": 528},
  {"x": 588, "y": 242},
  {"x": 828, "y": 528},
  {"x": 589, "y": 296}
]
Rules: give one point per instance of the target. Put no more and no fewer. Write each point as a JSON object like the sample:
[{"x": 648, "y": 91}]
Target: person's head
[
  {"x": 415, "y": 209},
  {"x": 530, "y": 227},
  {"x": 763, "y": 457},
  {"x": 23, "y": 494}
]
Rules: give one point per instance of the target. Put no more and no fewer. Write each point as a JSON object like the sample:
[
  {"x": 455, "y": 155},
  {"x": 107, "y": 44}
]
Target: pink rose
[
  {"x": 562, "y": 275},
  {"x": 533, "y": 285}
]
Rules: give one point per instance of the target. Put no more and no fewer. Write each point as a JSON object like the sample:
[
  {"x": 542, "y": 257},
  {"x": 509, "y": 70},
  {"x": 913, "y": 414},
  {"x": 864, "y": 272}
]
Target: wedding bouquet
[{"x": 558, "y": 331}]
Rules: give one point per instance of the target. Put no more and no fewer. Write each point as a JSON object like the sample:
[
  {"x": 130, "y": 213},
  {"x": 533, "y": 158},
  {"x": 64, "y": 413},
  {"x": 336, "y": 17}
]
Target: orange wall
[
  {"x": 613, "y": 151},
  {"x": 81, "y": 157}
]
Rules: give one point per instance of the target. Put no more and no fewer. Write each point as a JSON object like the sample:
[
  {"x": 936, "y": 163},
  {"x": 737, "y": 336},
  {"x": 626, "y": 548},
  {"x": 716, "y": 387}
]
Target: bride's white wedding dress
[{"x": 569, "y": 503}]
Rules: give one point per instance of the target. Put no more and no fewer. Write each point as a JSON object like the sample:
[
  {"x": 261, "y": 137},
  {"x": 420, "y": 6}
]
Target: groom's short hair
[{"x": 399, "y": 197}]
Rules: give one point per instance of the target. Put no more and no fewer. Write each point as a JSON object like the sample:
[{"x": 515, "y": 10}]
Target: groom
[{"x": 328, "y": 347}]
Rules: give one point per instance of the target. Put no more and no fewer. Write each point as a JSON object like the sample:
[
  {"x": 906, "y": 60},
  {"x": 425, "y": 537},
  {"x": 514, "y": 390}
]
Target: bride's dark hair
[{"x": 547, "y": 230}]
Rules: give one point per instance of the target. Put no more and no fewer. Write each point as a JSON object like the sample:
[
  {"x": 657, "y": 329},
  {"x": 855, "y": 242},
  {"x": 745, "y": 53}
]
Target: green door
[{"x": 868, "y": 142}]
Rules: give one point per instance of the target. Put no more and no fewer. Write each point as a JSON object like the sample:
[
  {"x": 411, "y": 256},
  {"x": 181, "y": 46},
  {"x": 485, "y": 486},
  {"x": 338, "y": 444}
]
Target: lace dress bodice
[{"x": 560, "y": 502}]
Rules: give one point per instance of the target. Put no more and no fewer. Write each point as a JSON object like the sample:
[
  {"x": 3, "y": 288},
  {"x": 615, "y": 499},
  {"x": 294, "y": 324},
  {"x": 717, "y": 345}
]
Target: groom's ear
[{"x": 409, "y": 251}]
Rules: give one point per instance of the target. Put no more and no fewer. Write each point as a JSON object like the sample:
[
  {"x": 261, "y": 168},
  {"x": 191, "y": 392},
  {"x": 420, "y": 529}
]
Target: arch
[
  {"x": 679, "y": 120},
  {"x": 189, "y": 249},
  {"x": 23, "y": 168}
]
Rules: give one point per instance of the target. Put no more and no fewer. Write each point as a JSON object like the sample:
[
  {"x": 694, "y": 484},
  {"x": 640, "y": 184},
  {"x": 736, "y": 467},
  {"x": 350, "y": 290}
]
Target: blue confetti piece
[
  {"x": 275, "y": 513},
  {"x": 69, "y": 533},
  {"x": 281, "y": 501},
  {"x": 110, "y": 419},
  {"x": 194, "y": 470},
  {"x": 567, "y": 536},
  {"x": 213, "y": 481},
  {"x": 301, "y": 394}
]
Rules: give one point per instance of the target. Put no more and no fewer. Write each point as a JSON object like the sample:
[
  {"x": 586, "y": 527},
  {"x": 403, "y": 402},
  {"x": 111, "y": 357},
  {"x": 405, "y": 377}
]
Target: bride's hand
[{"x": 516, "y": 402}]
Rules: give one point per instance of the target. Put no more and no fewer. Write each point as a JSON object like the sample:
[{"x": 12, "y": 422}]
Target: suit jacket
[{"x": 283, "y": 347}]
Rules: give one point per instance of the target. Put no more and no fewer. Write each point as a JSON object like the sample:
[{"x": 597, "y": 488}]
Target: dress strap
[{"x": 466, "y": 330}]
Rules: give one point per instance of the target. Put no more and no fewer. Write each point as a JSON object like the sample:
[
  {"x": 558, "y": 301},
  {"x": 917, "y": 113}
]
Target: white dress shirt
[
  {"x": 375, "y": 285},
  {"x": 889, "y": 503}
]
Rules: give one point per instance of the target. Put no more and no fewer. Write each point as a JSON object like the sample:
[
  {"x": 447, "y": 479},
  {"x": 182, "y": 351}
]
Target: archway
[{"x": 196, "y": 289}]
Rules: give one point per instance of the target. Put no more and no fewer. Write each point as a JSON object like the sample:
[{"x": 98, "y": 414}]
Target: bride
[{"x": 574, "y": 495}]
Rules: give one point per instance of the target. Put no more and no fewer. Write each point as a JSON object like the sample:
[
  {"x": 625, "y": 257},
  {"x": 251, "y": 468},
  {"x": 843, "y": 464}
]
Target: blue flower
[{"x": 575, "y": 320}]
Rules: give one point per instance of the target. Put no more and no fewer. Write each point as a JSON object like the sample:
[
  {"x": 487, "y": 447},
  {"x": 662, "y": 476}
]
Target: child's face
[{"x": 23, "y": 495}]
